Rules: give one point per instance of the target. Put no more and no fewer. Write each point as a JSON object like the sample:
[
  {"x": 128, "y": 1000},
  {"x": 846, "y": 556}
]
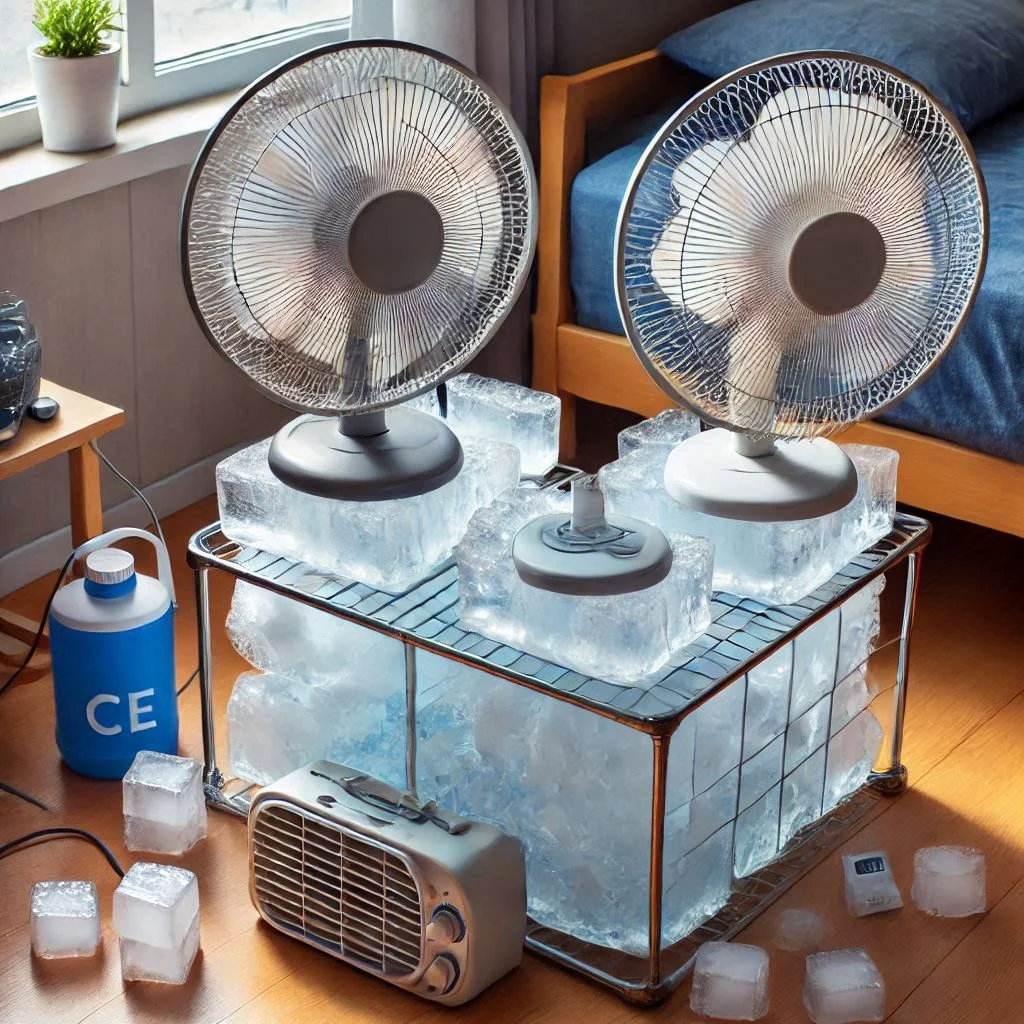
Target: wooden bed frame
[{"x": 575, "y": 362}]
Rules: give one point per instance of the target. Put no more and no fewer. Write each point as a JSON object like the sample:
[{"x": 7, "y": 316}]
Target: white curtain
[{"x": 510, "y": 44}]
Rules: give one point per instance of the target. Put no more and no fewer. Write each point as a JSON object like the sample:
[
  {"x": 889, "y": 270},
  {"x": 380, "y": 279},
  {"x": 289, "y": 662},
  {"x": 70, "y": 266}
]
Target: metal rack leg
[
  {"x": 212, "y": 777},
  {"x": 658, "y": 804},
  {"x": 894, "y": 779},
  {"x": 410, "y": 718}
]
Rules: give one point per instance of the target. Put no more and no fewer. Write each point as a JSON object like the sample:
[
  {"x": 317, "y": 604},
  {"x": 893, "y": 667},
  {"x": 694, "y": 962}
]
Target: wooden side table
[{"x": 81, "y": 419}]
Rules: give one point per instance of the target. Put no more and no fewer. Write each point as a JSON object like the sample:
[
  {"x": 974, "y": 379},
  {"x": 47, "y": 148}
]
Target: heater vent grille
[{"x": 334, "y": 889}]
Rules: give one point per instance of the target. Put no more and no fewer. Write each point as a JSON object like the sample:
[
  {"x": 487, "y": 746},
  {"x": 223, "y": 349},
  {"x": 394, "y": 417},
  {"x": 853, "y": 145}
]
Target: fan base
[
  {"x": 416, "y": 453},
  {"x": 594, "y": 572},
  {"x": 795, "y": 480}
]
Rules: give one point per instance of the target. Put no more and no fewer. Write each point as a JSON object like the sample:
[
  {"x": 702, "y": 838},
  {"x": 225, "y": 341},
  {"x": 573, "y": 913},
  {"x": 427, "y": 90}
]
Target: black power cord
[
  {"x": 6, "y": 787},
  {"x": 45, "y": 835}
]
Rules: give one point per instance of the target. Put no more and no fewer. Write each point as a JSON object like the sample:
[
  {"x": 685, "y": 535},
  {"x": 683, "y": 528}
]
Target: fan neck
[{"x": 363, "y": 424}]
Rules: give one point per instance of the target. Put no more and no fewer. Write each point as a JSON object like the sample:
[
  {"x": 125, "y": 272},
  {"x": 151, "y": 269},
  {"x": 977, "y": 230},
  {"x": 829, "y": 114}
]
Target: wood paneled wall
[{"x": 100, "y": 274}]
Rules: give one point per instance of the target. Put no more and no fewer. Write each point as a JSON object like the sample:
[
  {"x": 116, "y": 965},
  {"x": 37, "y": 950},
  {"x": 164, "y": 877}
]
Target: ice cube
[
  {"x": 164, "y": 805},
  {"x": 767, "y": 700},
  {"x": 277, "y": 724},
  {"x": 143, "y": 962},
  {"x": 949, "y": 881},
  {"x": 332, "y": 690},
  {"x": 730, "y": 981},
  {"x": 495, "y": 409},
  {"x": 64, "y": 919},
  {"x": 620, "y": 638},
  {"x": 387, "y": 544},
  {"x": 798, "y": 929},
  {"x": 156, "y": 904},
  {"x": 665, "y": 430},
  {"x": 842, "y": 986},
  {"x": 851, "y": 756},
  {"x": 776, "y": 562},
  {"x": 868, "y": 884},
  {"x": 277, "y": 634},
  {"x": 802, "y": 791},
  {"x": 757, "y": 834}
]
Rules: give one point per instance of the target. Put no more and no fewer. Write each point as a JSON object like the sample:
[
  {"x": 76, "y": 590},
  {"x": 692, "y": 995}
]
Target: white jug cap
[{"x": 109, "y": 565}]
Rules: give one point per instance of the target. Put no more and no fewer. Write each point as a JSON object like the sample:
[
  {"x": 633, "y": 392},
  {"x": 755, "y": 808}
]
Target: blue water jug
[{"x": 112, "y": 648}]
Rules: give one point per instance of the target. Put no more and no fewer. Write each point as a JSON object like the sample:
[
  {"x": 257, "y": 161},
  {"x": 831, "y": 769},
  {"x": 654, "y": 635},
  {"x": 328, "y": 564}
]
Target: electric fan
[
  {"x": 353, "y": 232},
  {"x": 798, "y": 246}
]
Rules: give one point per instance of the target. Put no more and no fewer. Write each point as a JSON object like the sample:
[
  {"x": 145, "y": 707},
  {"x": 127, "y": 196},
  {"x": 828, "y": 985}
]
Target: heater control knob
[
  {"x": 442, "y": 974},
  {"x": 445, "y": 926}
]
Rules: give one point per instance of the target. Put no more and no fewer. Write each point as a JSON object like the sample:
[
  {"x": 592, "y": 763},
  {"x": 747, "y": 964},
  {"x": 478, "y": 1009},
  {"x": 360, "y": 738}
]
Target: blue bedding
[{"x": 974, "y": 397}]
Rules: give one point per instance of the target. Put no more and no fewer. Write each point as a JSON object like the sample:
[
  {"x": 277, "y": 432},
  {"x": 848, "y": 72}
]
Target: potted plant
[{"x": 77, "y": 72}]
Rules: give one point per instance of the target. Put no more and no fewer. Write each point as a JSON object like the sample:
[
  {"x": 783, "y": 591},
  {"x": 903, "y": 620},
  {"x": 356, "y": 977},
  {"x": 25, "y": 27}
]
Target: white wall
[{"x": 101, "y": 277}]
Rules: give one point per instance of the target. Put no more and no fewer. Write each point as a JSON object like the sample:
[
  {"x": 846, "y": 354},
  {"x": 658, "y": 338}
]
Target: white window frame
[{"x": 145, "y": 88}]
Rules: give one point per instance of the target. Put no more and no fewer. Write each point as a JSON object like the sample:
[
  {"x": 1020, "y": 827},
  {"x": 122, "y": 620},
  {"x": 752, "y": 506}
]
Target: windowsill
[{"x": 34, "y": 178}]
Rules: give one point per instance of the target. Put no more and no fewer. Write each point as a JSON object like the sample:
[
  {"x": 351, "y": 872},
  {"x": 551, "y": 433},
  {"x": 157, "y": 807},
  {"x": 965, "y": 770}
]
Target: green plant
[{"x": 74, "y": 28}]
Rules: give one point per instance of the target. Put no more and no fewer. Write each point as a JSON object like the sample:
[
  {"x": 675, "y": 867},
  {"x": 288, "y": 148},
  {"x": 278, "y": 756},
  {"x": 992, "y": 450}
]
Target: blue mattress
[{"x": 974, "y": 397}]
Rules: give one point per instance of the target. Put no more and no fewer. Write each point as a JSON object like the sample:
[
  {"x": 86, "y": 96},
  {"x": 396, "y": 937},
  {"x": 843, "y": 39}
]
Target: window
[{"x": 174, "y": 51}]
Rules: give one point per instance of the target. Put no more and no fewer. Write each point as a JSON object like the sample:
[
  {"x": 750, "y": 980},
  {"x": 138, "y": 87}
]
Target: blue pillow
[{"x": 968, "y": 53}]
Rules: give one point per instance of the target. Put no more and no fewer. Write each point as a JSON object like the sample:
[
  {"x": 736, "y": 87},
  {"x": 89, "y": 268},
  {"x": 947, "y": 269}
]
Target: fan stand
[
  {"x": 374, "y": 456},
  {"x": 589, "y": 554},
  {"x": 394, "y": 244},
  {"x": 731, "y": 475}
]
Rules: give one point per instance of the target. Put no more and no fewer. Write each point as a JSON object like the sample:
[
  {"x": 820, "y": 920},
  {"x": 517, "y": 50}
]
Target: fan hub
[
  {"x": 396, "y": 242},
  {"x": 836, "y": 263}
]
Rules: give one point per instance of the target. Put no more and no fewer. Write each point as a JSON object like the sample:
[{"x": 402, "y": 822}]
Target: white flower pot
[{"x": 77, "y": 99}]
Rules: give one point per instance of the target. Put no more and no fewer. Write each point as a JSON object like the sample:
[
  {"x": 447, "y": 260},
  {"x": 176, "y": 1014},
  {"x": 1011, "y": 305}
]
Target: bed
[{"x": 960, "y": 434}]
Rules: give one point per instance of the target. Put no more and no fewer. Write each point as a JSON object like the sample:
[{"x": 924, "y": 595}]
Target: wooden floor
[{"x": 964, "y": 749}]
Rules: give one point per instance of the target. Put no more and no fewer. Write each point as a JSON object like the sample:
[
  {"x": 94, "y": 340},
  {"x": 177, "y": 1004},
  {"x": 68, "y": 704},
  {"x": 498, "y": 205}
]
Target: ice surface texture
[
  {"x": 164, "y": 805},
  {"x": 622, "y": 638},
  {"x": 496, "y": 409},
  {"x": 387, "y": 544},
  {"x": 949, "y": 881},
  {"x": 332, "y": 690},
  {"x": 730, "y": 981},
  {"x": 843, "y": 986},
  {"x": 665, "y": 430},
  {"x": 64, "y": 919},
  {"x": 156, "y": 914},
  {"x": 774, "y": 562}
]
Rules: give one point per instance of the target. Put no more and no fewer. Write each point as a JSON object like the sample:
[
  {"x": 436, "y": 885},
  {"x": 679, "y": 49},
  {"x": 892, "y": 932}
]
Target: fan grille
[
  {"x": 280, "y": 183},
  {"x": 716, "y": 208}
]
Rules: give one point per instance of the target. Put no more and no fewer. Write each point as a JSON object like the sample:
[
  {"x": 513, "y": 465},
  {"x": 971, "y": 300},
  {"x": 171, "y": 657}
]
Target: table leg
[{"x": 86, "y": 499}]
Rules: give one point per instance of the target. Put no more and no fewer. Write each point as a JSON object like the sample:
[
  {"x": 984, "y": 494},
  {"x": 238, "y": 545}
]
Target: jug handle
[{"x": 163, "y": 559}]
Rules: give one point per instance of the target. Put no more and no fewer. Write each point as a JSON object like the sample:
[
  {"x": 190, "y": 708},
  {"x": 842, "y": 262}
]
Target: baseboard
[{"x": 175, "y": 492}]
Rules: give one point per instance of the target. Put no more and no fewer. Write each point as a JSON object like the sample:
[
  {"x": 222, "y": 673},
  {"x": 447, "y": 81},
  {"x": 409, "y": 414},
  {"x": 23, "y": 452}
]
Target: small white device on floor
[
  {"x": 798, "y": 246},
  {"x": 427, "y": 900},
  {"x": 868, "y": 884},
  {"x": 354, "y": 231}
]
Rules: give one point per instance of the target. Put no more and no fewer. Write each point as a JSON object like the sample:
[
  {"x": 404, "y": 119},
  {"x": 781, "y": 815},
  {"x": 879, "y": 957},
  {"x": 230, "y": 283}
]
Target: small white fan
[
  {"x": 798, "y": 247},
  {"x": 355, "y": 230}
]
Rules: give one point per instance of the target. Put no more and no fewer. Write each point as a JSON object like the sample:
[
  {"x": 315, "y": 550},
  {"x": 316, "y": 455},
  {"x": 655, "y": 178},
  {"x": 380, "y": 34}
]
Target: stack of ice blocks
[
  {"x": 394, "y": 544},
  {"x": 774, "y": 562},
  {"x": 156, "y": 914},
  {"x": 576, "y": 787},
  {"x": 621, "y": 638},
  {"x": 328, "y": 689},
  {"x": 164, "y": 804}
]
